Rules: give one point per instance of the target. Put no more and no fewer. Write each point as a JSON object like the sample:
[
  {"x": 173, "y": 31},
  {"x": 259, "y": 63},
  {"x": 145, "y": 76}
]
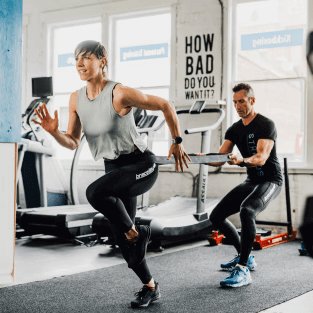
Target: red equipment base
[
  {"x": 215, "y": 239},
  {"x": 270, "y": 241},
  {"x": 259, "y": 241}
]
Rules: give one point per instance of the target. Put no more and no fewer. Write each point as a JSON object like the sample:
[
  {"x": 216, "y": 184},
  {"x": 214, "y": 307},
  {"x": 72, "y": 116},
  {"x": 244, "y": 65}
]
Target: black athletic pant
[
  {"x": 114, "y": 195},
  {"x": 249, "y": 199}
]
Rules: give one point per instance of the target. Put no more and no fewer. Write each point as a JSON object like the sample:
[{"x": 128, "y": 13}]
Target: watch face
[{"x": 178, "y": 140}]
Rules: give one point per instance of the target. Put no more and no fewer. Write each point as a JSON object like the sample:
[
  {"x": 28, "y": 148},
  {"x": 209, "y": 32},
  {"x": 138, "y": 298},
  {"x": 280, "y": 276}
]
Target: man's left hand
[{"x": 180, "y": 156}]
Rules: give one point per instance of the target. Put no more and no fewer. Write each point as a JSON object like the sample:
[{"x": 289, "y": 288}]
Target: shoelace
[
  {"x": 234, "y": 272},
  {"x": 235, "y": 258},
  {"x": 142, "y": 292}
]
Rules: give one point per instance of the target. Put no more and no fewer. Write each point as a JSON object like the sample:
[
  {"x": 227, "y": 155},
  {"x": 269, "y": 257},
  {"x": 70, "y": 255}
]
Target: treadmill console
[{"x": 197, "y": 107}]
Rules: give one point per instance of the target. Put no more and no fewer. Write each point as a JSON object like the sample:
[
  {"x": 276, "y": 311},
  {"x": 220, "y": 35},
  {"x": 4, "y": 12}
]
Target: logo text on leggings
[
  {"x": 270, "y": 193},
  {"x": 146, "y": 173}
]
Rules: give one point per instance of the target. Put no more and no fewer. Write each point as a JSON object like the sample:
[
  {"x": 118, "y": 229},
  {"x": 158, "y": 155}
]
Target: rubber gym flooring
[{"x": 188, "y": 275}]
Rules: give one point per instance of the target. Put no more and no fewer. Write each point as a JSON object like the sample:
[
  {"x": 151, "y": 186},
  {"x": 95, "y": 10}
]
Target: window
[
  {"x": 140, "y": 58},
  {"x": 270, "y": 55},
  {"x": 65, "y": 77}
]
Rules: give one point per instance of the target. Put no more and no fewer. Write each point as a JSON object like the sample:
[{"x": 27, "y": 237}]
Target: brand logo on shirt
[
  {"x": 252, "y": 148},
  {"x": 146, "y": 173},
  {"x": 270, "y": 193}
]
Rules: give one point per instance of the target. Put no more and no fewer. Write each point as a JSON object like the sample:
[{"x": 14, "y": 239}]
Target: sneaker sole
[
  {"x": 236, "y": 285},
  {"x": 229, "y": 269},
  {"x": 136, "y": 305}
]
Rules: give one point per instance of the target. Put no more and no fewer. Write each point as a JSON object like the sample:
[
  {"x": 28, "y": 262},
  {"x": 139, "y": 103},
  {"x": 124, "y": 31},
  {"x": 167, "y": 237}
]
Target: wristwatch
[
  {"x": 177, "y": 140},
  {"x": 243, "y": 163}
]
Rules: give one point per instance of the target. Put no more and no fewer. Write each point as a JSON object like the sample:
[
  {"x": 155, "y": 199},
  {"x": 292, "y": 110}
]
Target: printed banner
[
  {"x": 65, "y": 60},
  {"x": 200, "y": 63},
  {"x": 144, "y": 52},
  {"x": 278, "y": 39}
]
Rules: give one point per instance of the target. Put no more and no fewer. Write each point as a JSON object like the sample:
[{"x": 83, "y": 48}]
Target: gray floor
[{"x": 46, "y": 257}]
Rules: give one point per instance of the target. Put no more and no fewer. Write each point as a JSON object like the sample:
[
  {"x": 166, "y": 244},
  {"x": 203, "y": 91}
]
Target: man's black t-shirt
[{"x": 246, "y": 139}]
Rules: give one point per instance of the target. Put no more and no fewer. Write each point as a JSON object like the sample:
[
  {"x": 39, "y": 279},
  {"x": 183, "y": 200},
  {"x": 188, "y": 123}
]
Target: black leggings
[
  {"x": 114, "y": 195},
  {"x": 249, "y": 199}
]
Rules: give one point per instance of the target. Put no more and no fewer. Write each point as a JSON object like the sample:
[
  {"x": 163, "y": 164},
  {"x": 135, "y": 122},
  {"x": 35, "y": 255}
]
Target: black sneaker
[
  {"x": 138, "y": 249},
  {"x": 145, "y": 296}
]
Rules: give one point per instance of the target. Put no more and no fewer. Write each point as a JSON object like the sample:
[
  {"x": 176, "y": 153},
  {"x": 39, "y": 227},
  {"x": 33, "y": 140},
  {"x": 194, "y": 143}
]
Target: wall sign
[
  {"x": 144, "y": 52},
  {"x": 199, "y": 68},
  {"x": 65, "y": 60},
  {"x": 199, "y": 80},
  {"x": 268, "y": 40}
]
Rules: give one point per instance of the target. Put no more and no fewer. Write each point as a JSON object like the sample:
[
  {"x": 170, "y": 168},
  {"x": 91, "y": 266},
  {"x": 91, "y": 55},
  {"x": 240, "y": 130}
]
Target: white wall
[
  {"x": 8, "y": 152},
  {"x": 192, "y": 17}
]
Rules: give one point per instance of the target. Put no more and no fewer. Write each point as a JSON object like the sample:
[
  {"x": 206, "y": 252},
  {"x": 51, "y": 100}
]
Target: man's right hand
[
  {"x": 234, "y": 160},
  {"x": 46, "y": 122}
]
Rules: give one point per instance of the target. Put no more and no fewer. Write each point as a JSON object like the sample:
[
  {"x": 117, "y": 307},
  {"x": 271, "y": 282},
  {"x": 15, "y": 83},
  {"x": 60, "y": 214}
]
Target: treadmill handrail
[
  {"x": 205, "y": 128},
  {"x": 36, "y": 147},
  {"x": 150, "y": 129}
]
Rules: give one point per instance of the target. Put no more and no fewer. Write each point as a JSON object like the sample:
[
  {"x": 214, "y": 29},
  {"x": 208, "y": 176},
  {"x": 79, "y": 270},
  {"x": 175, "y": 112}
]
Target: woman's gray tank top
[{"x": 108, "y": 134}]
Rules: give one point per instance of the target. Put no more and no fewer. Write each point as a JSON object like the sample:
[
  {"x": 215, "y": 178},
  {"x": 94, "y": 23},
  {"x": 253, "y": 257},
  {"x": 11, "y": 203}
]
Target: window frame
[
  {"x": 113, "y": 54},
  {"x": 50, "y": 64},
  {"x": 233, "y": 59}
]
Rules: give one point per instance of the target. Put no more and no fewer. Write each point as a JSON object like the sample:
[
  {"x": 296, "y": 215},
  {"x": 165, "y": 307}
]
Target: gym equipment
[
  {"x": 37, "y": 166},
  {"x": 36, "y": 155},
  {"x": 179, "y": 218},
  {"x": 74, "y": 221},
  {"x": 195, "y": 159}
]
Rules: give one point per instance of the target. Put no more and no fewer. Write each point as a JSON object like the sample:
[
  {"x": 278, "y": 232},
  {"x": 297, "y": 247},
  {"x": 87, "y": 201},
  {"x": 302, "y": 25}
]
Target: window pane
[
  {"x": 160, "y": 144},
  {"x": 270, "y": 39},
  {"x": 142, "y": 50},
  {"x": 283, "y": 102},
  {"x": 60, "y": 103},
  {"x": 65, "y": 76}
]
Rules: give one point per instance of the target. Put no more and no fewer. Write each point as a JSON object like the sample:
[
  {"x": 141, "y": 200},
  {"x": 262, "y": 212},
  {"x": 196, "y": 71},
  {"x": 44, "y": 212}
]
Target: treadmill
[{"x": 179, "y": 218}]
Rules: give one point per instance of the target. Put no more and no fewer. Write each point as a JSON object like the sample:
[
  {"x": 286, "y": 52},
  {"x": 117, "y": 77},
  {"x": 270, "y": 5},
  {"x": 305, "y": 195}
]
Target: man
[{"x": 255, "y": 136}]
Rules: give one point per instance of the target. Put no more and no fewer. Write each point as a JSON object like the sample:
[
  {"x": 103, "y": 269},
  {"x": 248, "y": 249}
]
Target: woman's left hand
[{"x": 180, "y": 156}]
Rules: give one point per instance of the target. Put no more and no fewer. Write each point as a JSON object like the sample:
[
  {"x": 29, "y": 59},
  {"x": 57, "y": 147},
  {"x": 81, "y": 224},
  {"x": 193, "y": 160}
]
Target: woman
[{"x": 103, "y": 109}]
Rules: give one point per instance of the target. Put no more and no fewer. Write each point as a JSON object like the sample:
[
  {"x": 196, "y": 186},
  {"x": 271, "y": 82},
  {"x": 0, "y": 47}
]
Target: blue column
[{"x": 11, "y": 23}]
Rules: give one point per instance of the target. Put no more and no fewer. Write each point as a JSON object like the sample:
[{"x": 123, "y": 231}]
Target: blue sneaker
[
  {"x": 229, "y": 266},
  {"x": 237, "y": 278}
]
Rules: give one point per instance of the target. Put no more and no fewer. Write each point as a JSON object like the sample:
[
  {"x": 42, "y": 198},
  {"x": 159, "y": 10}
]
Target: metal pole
[
  {"x": 287, "y": 198},
  {"x": 203, "y": 176},
  {"x": 42, "y": 175}
]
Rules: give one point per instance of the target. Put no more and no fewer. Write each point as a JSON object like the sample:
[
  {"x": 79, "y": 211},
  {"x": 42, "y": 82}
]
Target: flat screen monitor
[{"x": 42, "y": 87}]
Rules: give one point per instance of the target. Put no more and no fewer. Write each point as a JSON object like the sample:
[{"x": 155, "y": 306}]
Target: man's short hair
[{"x": 246, "y": 87}]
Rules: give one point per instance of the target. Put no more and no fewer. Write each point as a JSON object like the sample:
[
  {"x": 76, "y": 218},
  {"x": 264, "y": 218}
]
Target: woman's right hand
[{"x": 46, "y": 122}]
